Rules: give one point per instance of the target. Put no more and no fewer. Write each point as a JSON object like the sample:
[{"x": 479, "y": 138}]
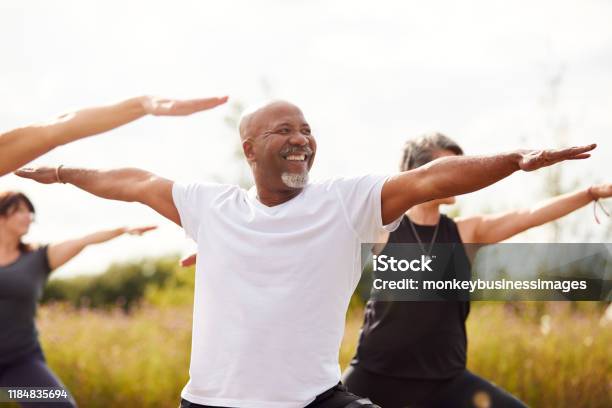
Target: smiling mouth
[
  {"x": 301, "y": 155},
  {"x": 296, "y": 157}
]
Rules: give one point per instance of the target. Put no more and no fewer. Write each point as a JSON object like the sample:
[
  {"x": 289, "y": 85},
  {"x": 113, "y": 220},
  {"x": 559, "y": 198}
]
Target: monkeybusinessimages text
[{"x": 384, "y": 263}]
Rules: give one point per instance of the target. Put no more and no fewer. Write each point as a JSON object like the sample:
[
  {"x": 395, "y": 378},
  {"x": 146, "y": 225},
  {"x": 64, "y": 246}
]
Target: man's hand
[
  {"x": 531, "y": 160},
  {"x": 44, "y": 175},
  {"x": 189, "y": 261},
  {"x": 173, "y": 107}
]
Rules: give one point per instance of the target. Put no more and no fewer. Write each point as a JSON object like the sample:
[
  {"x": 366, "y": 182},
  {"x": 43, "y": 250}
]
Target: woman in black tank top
[
  {"x": 24, "y": 271},
  {"x": 413, "y": 354}
]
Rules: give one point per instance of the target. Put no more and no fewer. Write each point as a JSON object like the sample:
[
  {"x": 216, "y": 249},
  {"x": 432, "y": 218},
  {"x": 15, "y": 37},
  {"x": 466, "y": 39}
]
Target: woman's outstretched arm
[
  {"x": 22, "y": 145},
  {"x": 63, "y": 252},
  {"x": 487, "y": 229}
]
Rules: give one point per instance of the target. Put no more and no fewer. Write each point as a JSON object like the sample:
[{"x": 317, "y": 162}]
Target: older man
[{"x": 270, "y": 295}]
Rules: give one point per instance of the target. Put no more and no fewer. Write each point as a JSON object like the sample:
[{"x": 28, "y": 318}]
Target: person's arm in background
[
  {"x": 22, "y": 145},
  {"x": 63, "y": 252},
  {"x": 188, "y": 260},
  {"x": 450, "y": 176},
  {"x": 488, "y": 229}
]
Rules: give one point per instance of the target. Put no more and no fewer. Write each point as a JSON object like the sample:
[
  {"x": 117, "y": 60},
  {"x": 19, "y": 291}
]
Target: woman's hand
[
  {"x": 175, "y": 107},
  {"x": 601, "y": 191},
  {"x": 139, "y": 230}
]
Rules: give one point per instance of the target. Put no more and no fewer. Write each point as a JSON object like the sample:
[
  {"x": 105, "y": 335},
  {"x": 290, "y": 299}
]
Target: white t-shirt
[{"x": 272, "y": 288}]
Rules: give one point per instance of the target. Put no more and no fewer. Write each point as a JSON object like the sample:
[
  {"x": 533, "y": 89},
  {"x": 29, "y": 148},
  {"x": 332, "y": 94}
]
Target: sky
[{"x": 493, "y": 75}]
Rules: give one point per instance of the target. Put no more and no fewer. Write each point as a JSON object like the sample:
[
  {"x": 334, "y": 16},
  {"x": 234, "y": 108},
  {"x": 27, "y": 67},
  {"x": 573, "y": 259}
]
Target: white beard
[{"x": 294, "y": 180}]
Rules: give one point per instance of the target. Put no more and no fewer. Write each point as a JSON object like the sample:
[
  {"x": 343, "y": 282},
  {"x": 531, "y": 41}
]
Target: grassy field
[{"x": 550, "y": 355}]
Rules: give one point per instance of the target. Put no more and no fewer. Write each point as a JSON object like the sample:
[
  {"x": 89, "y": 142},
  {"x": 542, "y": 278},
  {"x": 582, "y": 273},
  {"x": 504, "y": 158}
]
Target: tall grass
[
  {"x": 110, "y": 359},
  {"x": 549, "y": 355}
]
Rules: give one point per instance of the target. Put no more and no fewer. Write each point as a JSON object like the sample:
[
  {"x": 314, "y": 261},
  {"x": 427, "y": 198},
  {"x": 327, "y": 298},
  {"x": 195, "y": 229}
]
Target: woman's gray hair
[{"x": 420, "y": 150}]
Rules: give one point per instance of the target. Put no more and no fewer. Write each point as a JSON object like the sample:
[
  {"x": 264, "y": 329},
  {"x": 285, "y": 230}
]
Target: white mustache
[{"x": 307, "y": 150}]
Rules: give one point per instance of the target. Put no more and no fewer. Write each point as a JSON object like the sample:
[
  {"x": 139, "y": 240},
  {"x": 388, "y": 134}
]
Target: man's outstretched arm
[
  {"x": 457, "y": 175},
  {"x": 129, "y": 184},
  {"x": 21, "y": 145}
]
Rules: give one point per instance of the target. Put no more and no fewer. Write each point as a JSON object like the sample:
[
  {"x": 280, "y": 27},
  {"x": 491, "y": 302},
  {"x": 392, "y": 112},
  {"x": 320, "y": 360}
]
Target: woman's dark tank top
[
  {"x": 21, "y": 286},
  {"x": 417, "y": 339}
]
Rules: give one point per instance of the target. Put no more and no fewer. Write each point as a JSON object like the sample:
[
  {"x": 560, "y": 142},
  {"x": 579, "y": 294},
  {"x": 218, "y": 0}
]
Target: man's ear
[{"x": 249, "y": 151}]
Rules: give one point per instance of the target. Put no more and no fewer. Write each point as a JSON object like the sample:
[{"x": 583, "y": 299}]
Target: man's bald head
[{"x": 258, "y": 117}]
